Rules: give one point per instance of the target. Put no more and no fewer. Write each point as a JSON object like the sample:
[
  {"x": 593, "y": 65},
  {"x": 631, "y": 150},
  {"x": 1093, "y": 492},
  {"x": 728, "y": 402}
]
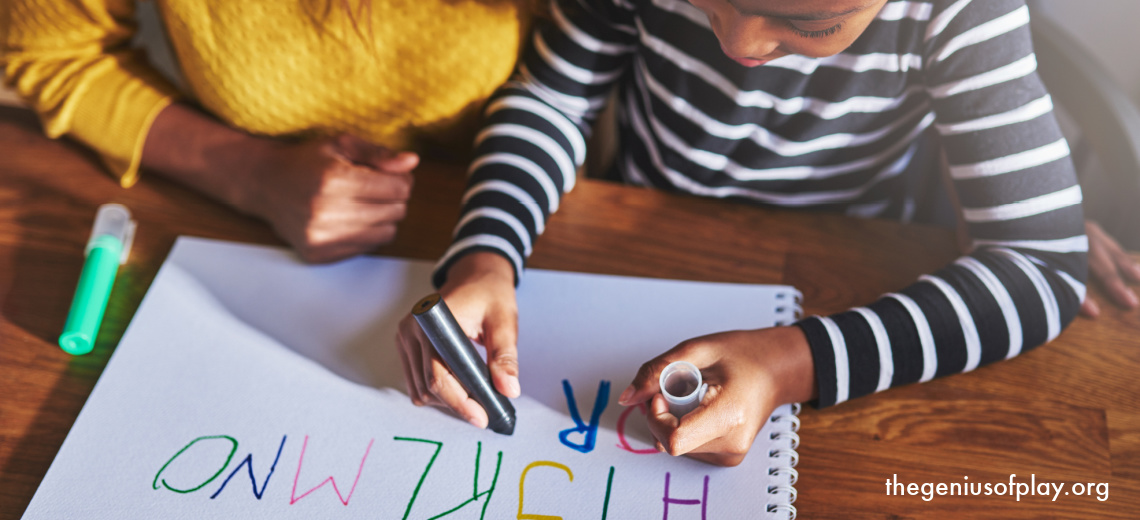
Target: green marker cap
[{"x": 107, "y": 249}]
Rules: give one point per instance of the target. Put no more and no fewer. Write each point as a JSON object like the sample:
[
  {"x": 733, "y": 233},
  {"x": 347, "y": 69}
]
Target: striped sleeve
[
  {"x": 535, "y": 129},
  {"x": 1010, "y": 166}
]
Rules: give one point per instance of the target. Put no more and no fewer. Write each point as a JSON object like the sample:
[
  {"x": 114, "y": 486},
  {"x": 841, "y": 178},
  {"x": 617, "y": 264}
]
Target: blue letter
[
  {"x": 248, "y": 463},
  {"x": 591, "y": 430}
]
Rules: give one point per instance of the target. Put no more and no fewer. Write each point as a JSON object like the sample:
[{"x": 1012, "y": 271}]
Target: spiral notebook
[{"x": 251, "y": 385}]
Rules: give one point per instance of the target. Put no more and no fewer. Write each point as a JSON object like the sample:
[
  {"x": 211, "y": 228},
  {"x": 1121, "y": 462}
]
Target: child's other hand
[
  {"x": 1112, "y": 269},
  {"x": 480, "y": 291},
  {"x": 332, "y": 198},
  {"x": 749, "y": 374}
]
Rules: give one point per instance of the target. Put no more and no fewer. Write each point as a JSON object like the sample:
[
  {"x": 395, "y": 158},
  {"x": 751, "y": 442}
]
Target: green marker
[{"x": 107, "y": 249}]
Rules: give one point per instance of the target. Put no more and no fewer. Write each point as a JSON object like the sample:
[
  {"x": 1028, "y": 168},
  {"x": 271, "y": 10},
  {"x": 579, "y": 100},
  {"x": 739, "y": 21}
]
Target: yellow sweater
[{"x": 408, "y": 72}]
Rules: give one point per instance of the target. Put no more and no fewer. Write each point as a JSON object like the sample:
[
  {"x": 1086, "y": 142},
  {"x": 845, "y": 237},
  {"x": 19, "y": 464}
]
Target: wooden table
[{"x": 1067, "y": 412}]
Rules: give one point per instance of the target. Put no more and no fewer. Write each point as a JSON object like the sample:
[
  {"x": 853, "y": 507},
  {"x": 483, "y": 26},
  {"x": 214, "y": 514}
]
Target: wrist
[
  {"x": 794, "y": 370},
  {"x": 189, "y": 147},
  {"x": 482, "y": 267},
  {"x": 250, "y": 167}
]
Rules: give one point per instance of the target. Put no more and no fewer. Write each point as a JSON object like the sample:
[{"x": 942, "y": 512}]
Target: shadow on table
[
  {"x": 36, "y": 303},
  {"x": 40, "y": 264}
]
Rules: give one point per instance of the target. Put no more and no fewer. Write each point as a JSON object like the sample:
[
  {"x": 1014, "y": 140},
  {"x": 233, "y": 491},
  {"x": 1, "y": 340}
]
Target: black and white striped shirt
[{"x": 837, "y": 133}]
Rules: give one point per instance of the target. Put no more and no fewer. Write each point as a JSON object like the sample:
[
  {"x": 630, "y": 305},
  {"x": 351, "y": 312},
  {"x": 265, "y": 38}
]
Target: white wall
[{"x": 1107, "y": 28}]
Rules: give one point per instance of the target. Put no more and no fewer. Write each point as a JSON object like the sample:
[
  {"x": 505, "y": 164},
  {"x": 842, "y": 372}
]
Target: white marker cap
[
  {"x": 682, "y": 377},
  {"x": 113, "y": 220}
]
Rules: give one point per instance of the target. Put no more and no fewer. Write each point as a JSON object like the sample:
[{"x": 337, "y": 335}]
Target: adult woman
[{"x": 298, "y": 112}]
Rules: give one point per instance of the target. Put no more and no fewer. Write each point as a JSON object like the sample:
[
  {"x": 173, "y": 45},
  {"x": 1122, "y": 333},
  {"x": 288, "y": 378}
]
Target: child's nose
[{"x": 751, "y": 38}]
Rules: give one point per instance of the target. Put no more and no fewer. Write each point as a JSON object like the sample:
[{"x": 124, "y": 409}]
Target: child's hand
[
  {"x": 1112, "y": 269},
  {"x": 480, "y": 291},
  {"x": 749, "y": 374}
]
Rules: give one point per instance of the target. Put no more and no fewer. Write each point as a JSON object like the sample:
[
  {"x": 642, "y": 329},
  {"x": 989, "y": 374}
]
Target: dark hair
[{"x": 319, "y": 12}]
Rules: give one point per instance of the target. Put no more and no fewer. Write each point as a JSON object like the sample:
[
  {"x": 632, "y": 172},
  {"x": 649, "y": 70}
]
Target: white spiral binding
[
  {"x": 786, "y": 508},
  {"x": 793, "y": 475},
  {"x": 793, "y": 436},
  {"x": 792, "y": 439},
  {"x": 791, "y": 425},
  {"x": 782, "y": 306}
]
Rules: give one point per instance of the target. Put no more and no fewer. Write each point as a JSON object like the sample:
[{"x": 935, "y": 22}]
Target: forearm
[
  {"x": 992, "y": 305},
  {"x": 73, "y": 64},
  {"x": 195, "y": 150},
  {"x": 520, "y": 173},
  {"x": 1020, "y": 203},
  {"x": 795, "y": 368},
  {"x": 534, "y": 135}
]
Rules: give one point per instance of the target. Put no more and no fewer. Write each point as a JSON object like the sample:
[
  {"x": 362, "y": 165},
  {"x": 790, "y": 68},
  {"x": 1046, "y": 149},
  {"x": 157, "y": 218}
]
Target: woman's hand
[
  {"x": 1112, "y": 269},
  {"x": 328, "y": 198},
  {"x": 749, "y": 374},
  {"x": 480, "y": 291},
  {"x": 332, "y": 198}
]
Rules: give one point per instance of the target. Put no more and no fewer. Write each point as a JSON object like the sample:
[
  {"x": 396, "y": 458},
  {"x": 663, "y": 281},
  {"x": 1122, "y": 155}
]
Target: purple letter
[{"x": 704, "y": 501}]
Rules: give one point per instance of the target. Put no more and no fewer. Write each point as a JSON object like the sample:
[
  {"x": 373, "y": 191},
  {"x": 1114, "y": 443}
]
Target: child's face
[{"x": 755, "y": 31}]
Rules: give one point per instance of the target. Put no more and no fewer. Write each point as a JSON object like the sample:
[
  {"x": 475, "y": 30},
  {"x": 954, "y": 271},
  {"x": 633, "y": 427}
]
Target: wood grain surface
[{"x": 1066, "y": 412}]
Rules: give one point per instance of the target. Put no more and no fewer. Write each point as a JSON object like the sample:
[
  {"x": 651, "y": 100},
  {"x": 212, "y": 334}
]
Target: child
[{"x": 810, "y": 104}]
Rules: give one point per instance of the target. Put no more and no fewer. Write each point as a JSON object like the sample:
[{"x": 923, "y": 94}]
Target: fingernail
[
  {"x": 1132, "y": 299},
  {"x": 513, "y": 386},
  {"x": 626, "y": 395}
]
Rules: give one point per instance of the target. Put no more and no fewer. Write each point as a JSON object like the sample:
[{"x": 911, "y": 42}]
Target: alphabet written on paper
[{"x": 233, "y": 470}]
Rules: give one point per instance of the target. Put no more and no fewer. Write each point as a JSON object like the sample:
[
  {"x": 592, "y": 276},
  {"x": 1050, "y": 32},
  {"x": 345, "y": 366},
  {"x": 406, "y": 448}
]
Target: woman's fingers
[{"x": 381, "y": 158}]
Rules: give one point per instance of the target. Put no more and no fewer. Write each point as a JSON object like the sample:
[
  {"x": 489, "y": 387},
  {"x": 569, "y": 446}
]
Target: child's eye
[{"x": 818, "y": 34}]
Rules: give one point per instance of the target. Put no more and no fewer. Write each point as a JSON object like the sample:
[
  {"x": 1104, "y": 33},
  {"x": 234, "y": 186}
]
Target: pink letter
[
  {"x": 624, "y": 444},
  {"x": 293, "y": 498}
]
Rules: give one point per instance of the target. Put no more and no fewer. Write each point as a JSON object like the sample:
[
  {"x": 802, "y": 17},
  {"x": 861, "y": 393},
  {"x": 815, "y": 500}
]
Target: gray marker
[{"x": 459, "y": 354}]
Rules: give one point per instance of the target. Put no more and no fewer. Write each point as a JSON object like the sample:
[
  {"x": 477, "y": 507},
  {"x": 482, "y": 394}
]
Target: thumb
[
  {"x": 362, "y": 152},
  {"x": 698, "y": 351},
  {"x": 646, "y": 383},
  {"x": 500, "y": 336}
]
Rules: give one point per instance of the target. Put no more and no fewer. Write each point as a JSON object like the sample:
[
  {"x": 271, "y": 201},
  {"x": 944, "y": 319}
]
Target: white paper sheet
[{"x": 250, "y": 385}]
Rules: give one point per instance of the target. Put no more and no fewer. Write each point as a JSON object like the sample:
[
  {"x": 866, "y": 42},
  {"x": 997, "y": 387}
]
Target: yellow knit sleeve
[{"x": 71, "y": 61}]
